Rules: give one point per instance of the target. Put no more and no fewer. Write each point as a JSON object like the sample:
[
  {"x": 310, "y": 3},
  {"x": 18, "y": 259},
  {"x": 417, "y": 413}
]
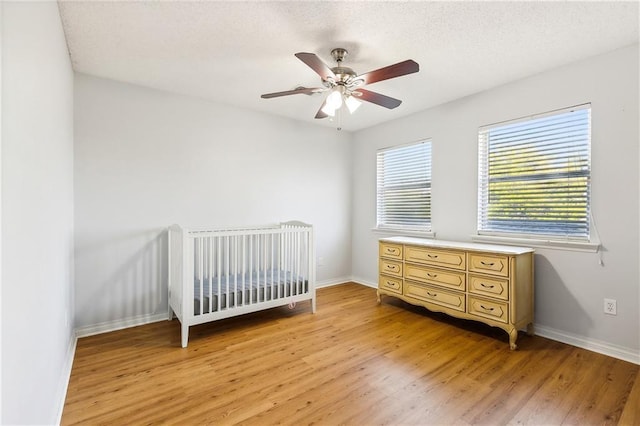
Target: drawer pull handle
[
  {"x": 392, "y": 251},
  {"x": 432, "y": 294},
  {"x": 432, "y": 275},
  {"x": 485, "y": 308},
  {"x": 486, "y": 286},
  {"x": 391, "y": 284},
  {"x": 487, "y": 263},
  {"x": 433, "y": 256},
  {"x": 392, "y": 267}
]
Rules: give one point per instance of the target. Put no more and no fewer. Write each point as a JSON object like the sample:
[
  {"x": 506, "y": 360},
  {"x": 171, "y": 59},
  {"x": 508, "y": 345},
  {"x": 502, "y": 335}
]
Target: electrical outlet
[{"x": 610, "y": 307}]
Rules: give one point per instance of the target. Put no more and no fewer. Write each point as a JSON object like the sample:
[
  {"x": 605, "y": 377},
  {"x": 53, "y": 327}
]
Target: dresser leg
[
  {"x": 378, "y": 296},
  {"x": 530, "y": 331},
  {"x": 513, "y": 336}
]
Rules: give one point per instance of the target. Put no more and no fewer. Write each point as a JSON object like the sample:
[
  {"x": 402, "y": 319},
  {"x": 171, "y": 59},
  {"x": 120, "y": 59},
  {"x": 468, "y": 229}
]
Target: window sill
[
  {"x": 588, "y": 247},
  {"x": 403, "y": 232}
]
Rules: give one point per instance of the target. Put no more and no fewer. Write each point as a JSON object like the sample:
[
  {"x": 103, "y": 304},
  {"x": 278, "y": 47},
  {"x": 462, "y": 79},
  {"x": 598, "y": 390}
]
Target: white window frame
[
  {"x": 382, "y": 221},
  {"x": 486, "y": 233}
]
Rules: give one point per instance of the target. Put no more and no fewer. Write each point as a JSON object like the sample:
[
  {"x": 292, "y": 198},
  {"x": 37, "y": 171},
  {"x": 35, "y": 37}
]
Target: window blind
[
  {"x": 534, "y": 175},
  {"x": 404, "y": 187}
]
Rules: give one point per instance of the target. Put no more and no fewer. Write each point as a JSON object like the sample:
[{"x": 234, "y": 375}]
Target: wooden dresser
[{"x": 482, "y": 282}]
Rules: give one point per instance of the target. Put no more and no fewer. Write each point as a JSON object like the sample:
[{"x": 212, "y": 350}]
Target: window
[
  {"x": 534, "y": 176},
  {"x": 404, "y": 187}
]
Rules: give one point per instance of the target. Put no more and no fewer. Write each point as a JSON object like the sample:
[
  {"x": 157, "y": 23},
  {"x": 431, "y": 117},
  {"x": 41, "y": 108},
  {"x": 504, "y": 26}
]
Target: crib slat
[
  {"x": 285, "y": 262},
  {"x": 272, "y": 238},
  {"x": 294, "y": 259},
  {"x": 288, "y": 268},
  {"x": 260, "y": 267},
  {"x": 219, "y": 274},
  {"x": 298, "y": 262},
  {"x": 201, "y": 274},
  {"x": 265, "y": 267},
  {"x": 244, "y": 296},
  {"x": 226, "y": 263},
  {"x": 210, "y": 271},
  {"x": 244, "y": 264},
  {"x": 289, "y": 263},
  {"x": 303, "y": 261},
  {"x": 280, "y": 261},
  {"x": 235, "y": 261},
  {"x": 293, "y": 264}
]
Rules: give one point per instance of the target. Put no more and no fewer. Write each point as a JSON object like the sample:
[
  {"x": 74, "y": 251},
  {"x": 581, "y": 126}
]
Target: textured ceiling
[{"x": 231, "y": 52}]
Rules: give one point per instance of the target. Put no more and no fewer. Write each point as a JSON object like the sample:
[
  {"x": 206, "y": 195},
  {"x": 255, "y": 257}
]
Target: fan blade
[
  {"x": 316, "y": 64},
  {"x": 377, "y": 98},
  {"x": 321, "y": 113},
  {"x": 392, "y": 71},
  {"x": 299, "y": 90}
]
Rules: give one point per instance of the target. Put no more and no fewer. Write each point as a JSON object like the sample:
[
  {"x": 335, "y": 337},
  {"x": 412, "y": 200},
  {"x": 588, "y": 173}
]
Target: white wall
[
  {"x": 146, "y": 159},
  {"x": 37, "y": 213},
  {"x": 570, "y": 286}
]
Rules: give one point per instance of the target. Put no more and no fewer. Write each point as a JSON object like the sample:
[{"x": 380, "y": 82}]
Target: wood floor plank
[
  {"x": 631, "y": 413},
  {"x": 353, "y": 362}
]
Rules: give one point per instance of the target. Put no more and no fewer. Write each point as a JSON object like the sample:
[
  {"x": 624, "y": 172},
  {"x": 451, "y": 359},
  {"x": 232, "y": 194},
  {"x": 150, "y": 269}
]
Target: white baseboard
[
  {"x": 108, "y": 326},
  {"x": 609, "y": 349},
  {"x": 332, "y": 282},
  {"x": 364, "y": 282},
  {"x": 338, "y": 281},
  {"x": 65, "y": 376}
]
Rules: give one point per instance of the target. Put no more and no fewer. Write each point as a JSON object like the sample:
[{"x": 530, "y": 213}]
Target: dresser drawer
[
  {"x": 390, "y": 283},
  {"x": 435, "y": 257},
  {"x": 489, "y": 286},
  {"x": 489, "y": 264},
  {"x": 491, "y": 309},
  {"x": 435, "y": 295},
  {"x": 450, "y": 279},
  {"x": 391, "y": 251},
  {"x": 390, "y": 267}
]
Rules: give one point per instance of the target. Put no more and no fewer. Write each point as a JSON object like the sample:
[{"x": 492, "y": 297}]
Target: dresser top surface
[{"x": 509, "y": 250}]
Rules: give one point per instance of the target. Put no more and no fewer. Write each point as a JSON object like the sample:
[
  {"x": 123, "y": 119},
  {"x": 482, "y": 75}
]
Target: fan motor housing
[{"x": 343, "y": 73}]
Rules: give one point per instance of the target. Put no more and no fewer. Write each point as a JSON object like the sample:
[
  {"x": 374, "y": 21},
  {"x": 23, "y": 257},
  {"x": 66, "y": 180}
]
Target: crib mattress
[{"x": 257, "y": 288}]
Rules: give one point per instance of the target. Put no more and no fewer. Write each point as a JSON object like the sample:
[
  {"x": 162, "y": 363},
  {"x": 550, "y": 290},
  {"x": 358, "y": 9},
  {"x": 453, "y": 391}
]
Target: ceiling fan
[{"x": 345, "y": 86}]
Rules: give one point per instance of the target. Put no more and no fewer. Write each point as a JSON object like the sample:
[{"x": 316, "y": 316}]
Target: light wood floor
[{"x": 352, "y": 363}]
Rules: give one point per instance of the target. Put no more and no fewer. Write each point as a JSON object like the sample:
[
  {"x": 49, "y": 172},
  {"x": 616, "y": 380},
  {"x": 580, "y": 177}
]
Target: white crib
[{"x": 221, "y": 273}]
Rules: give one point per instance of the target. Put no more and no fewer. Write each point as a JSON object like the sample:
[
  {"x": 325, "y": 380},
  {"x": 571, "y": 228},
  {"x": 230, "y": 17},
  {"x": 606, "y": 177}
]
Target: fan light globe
[
  {"x": 335, "y": 99},
  {"x": 333, "y": 103},
  {"x": 352, "y": 103},
  {"x": 328, "y": 110}
]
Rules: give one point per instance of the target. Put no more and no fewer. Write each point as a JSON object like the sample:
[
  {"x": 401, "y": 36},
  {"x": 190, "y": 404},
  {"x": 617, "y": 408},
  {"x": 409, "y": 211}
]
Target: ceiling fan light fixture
[
  {"x": 333, "y": 103},
  {"x": 328, "y": 109},
  {"x": 352, "y": 104},
  {"x": 335, "y": 99}
]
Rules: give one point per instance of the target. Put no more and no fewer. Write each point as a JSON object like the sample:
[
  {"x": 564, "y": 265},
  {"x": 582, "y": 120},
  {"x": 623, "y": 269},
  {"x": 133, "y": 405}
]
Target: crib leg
[
  {"x": 185, "y": 335},
  {"x": 313, "y": 305}
]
